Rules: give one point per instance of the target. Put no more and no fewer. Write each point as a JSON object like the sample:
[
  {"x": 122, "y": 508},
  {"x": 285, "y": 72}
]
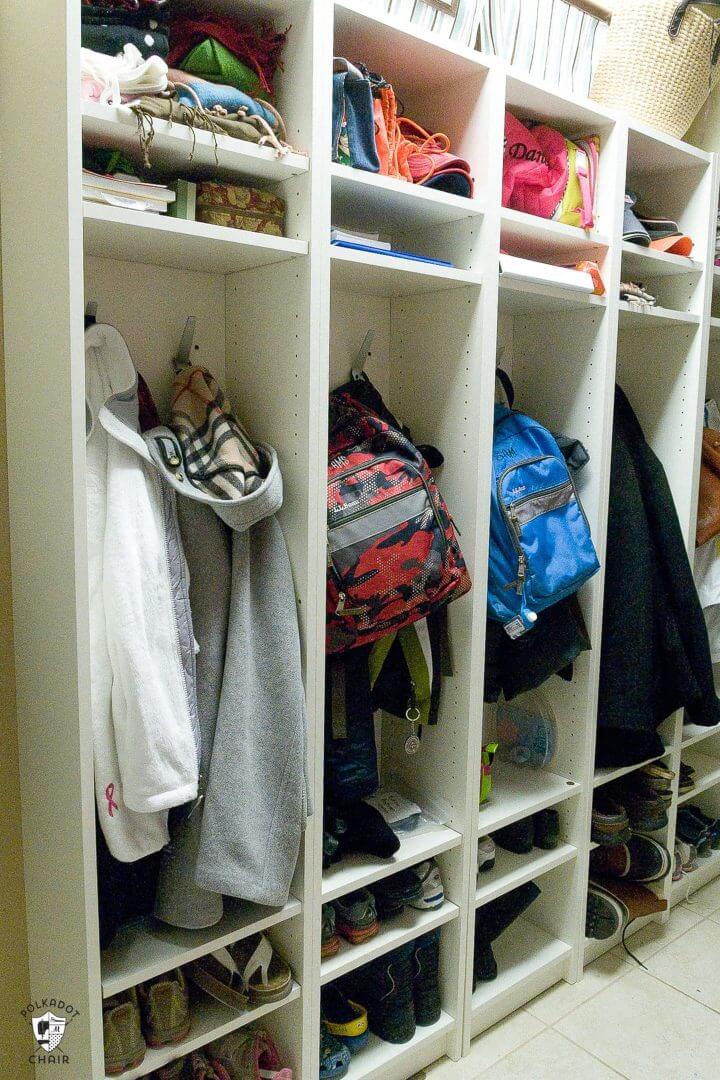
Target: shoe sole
[
  {"x": 171, "y": 1040},
  {"x": 611, "y": 839},
  {"x": 357, "y": 937},
  {"x": 117, "y": 1070},
  {"x": 601, "y": 906},
  {"x": 330, "y": 948}
]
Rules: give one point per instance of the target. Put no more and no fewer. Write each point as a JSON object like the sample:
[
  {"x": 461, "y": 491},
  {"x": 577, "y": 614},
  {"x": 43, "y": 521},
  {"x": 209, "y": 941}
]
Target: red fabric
[
  {"x": 259, "y": 50},
  {"x": 535, "y": 168}
]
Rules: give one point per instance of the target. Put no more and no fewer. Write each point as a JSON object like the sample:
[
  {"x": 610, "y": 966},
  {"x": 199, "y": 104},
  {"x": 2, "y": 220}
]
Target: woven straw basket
[{"x": 659, "y": 62}]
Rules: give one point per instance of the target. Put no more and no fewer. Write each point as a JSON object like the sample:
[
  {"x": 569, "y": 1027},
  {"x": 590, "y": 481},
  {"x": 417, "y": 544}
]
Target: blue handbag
[{"x": 541, "y": 550}]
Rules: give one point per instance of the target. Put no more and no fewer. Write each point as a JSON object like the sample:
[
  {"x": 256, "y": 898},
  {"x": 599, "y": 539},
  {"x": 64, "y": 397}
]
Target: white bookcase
[{"x": 280, "y": 321}]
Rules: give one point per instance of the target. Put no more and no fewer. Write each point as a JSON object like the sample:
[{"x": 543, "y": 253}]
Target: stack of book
[
  {"x": 127, "y": 192},
  {"x": 371, "y": 242}
]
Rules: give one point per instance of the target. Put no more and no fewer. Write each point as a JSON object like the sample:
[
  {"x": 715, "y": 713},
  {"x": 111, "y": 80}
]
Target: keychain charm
[{"x": 412, "y": 743}]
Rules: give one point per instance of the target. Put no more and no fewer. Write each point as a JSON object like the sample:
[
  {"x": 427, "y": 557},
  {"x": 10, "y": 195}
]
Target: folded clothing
[
  {"x": 110, "y": 79},
  {"x": 211, "y": 95},
  {"x": 108, "y": 30},
  {"x": 211, "y": 60},
  {"x": 258, "y": 49},
  {"x": 636, "y": 294}
]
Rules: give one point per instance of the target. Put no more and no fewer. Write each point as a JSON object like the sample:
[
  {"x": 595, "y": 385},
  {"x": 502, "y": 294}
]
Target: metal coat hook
[
  {"x": 90, "y": 313},
  {"x": 358, "y": 369},
  {"x": 182, "y": 356}
]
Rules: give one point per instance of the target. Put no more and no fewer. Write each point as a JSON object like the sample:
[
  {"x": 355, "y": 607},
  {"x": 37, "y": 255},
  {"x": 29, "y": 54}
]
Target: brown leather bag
[{"x": 708, "y": 517}]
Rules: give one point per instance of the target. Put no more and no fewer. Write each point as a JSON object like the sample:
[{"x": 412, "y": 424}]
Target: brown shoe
[
  {"x": 610, "y": 822},
  {"x": 165, "y": 1005},
  {"x": 122, "y": 1033}
]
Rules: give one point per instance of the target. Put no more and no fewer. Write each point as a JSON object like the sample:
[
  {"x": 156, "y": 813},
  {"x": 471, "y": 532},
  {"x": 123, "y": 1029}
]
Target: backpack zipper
[{"x": 511, "y": 521}]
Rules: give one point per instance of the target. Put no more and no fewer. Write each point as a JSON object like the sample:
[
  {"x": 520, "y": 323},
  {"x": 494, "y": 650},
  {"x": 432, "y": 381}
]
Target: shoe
[
  {"x": 393, "y": 893},
  {"x": 335, "y": 1057},
  {"x": 647, "y": 812},
  {"x": 638, "y": 899},
  {"x": 486, "y": 855},
  {"x": 122, "y": 1032},
  {"x": 194, "y": 1066},
  {"x": 386, "y": 989},
  {"x": 633, "y": 231},
  {"x": 343, "y": 1018},
  {"x": 686, "y": 859},
  {"x": 641, "y": 859},
  {"x": 356, "y": 916},
  {"x": 246, "y": 972},
  {"x": 359, "y": 827},
  {"x": 426, "y": 978},
  {"x": 433, "y": 893},
  {"x": 546, "y": 829},
  {"x": 491, "y": 920},
  {"x": 610, "y": 822},
  {"x": 712, "y": 825},
  {"x": 693, "y": 832},
  {"x": 686, "y": 782},
  {"x": 247, "y": 1053},
  {"x": 517, "y": 837},
  {"x": 605, "y": 915},
  {"x": 165, "y": 1008},
  {"x": 330, "y": 942}
]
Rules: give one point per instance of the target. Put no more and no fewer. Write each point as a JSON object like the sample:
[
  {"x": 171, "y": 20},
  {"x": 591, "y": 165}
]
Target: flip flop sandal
[{"x": 265, "y": 975}]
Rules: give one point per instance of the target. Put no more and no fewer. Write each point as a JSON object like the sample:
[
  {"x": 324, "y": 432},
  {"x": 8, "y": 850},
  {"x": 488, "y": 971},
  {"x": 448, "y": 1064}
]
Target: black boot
[
  {"x": 517, "y": 837},
  {"x": 490, "y": 921},
  {"x": 426, "y": 978},
  {"x": 385, "y": 988}
]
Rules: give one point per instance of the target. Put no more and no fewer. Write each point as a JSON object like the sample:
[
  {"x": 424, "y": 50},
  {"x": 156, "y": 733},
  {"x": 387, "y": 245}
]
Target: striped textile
[{"x": 219, "y": 457}]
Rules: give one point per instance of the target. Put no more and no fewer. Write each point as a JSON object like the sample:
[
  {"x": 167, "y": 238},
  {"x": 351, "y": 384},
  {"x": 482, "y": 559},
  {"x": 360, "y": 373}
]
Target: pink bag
[{"x": 547, "y": 175}]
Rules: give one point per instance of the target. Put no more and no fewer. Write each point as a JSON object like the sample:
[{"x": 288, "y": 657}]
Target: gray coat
[{"x": 242, "y": 837}]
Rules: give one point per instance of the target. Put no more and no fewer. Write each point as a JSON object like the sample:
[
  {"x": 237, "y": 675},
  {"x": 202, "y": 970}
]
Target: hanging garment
[
  {"x": 144, "y": 714},
  {"x": 655, "y": 654}
]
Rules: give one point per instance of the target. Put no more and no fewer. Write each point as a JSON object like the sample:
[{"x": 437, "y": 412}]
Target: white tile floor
[{"x": 659, "y": 1024}]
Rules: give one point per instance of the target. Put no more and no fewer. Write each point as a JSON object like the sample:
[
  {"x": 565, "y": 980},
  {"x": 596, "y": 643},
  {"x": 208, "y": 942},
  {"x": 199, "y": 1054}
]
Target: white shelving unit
[{"x": 279, "y": 321}]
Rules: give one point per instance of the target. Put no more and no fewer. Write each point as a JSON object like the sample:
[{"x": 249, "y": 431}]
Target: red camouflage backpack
[{"x": 393, "y": 556}]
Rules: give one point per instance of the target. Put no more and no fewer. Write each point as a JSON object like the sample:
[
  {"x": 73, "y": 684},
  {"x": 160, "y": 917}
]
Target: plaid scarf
[{"x": 219, "y": 456}]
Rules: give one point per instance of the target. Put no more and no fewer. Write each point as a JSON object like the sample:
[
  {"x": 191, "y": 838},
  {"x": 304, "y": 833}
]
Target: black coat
[{"x": 655, "y": 652}]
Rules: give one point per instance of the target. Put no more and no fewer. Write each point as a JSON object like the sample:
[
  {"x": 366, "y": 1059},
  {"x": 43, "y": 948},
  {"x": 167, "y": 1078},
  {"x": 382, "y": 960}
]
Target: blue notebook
[{"x": 392, "y": 254}]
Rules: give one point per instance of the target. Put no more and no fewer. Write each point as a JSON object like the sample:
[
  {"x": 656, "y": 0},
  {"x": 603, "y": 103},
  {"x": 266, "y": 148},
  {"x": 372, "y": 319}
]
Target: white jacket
[{"x": 145, "y": 728}]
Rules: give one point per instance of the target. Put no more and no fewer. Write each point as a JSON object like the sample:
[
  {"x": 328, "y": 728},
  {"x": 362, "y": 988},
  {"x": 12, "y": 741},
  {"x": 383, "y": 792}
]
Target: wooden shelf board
[
  {"x": 707, "y": 774},
  {"x": 518, "y": 297},
  {"x": 518, "y": 792},
  {"x": 176, "y": 148},
  {"x": 512, "y": 870},
  {"x": 136, "y": 236},
  {"x": 355, "y": 871},
  {"x": 407, "y": 926},
  {"x": 632, "y": 317},
  {"x": 144, "y": 949},
  {"x": 551, "y": 241},
  {"x": 694, "y": 733}
]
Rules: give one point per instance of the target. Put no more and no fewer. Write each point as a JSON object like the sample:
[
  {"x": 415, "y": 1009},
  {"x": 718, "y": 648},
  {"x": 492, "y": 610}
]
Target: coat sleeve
[{"x": 153, "y": 718}]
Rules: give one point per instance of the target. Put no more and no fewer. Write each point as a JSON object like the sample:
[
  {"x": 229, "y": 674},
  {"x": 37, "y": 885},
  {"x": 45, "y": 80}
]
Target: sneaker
[
  {"x": 517, "y": 837},
  {"x": 686, "y": 857},
  {"x": 546, "y": 829},
  {"x": 393, "y": 893},
  {"x": 641, "y": 859},
  {"x": 426, "y": 978},
  {"x": 248, "y": 1052},
  {"x": 433, "y": 893},
  {"x": 712, "y": 825},
  {"x": 195, "y": 1066},
  {"x": 605, "y": 915},
  {"x": 165, "y": 1008},
  {"x": 387, "y": 990},
  {"x": 686, "y": 782},
  {"x": 610, "y": 822},
  {"x": 486, "y": 855},
  {"x": 343, "y": 1018},
  {"x": 335, "y": 1057},
  {"x": 330, "y": 942},
  {"x": 122, "y": 1032},
  {"x": 694, "y": 832},
  {"x": 356, "y": 916}
]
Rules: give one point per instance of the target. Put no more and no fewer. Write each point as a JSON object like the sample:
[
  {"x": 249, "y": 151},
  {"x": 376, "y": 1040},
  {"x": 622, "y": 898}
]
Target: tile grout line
[
  {"x": 591, "y": 1052},
  {"x": 545, "y": 1027},
  {"x": 594, "y": 994}
]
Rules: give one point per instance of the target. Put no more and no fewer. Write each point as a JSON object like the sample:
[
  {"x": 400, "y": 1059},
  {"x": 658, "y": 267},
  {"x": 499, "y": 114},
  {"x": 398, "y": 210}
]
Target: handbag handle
[{"x": 680, "y": 13}]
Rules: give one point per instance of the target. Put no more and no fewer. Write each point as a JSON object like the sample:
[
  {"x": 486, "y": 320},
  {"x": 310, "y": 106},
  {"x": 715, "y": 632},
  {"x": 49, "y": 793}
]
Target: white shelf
[
  {"x": 707, "y": 870},
  {"x": 651, "y": 152},
  {"x": 355, "y": 871},
  {"x": 528, "y": 961},
  {"x": 512, "y": 870},
  {"x": 714, "y": 328},
  {"x": 177, "y": 148},
  {"x": 136, "y": 236},
  {"x": 632, "y": 317},
  {"x": 695, "y": 733},
  {"x": 210, "y": 1020},
  {"x": 528, "y": 297},
  {"x": 381, "y": 1060},
  {"x": 143, "y": 950},
  {"x": 407, "y": 926},
  {"x": 706, "y": 775},
  {"x": 606, "y": 774},
  {"x": 518, "y": 792},
  {"x": 365, "y": 200},
  {"x": 383, "y": 275},
  {"x": 534, "y": 237},
  {"x": 649, "y": 263}
]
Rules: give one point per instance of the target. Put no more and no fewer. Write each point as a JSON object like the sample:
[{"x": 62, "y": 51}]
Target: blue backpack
[{"x": 540, "y": 545}]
